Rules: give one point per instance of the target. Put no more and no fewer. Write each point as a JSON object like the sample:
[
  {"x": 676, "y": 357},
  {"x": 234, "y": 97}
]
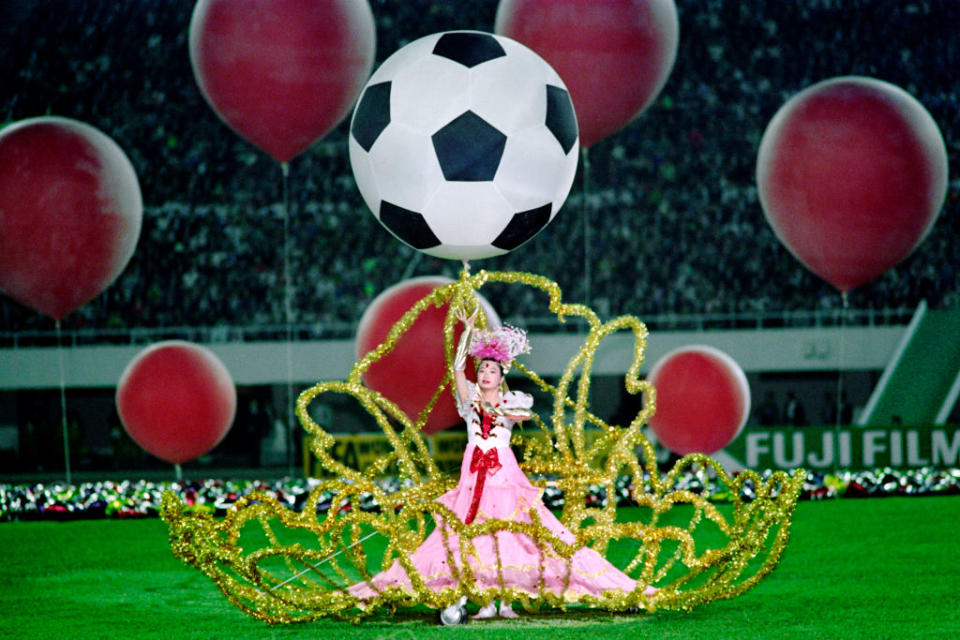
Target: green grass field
[{"x": 873, "y": 568}]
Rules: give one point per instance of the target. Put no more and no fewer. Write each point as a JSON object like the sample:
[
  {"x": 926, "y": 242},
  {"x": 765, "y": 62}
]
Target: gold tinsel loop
[{"x": 301, "y": 563}]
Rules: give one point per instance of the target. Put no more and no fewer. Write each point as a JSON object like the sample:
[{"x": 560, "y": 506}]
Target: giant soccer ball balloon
[{"x": 464, "y": 144}]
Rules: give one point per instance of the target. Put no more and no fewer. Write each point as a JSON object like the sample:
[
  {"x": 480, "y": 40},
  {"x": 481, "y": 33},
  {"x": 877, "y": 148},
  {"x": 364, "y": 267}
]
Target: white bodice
[{"x": 501, "y": 427}]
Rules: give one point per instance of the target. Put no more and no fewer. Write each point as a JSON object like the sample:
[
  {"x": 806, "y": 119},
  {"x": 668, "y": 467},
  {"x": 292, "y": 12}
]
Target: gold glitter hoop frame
[{"x": 304, "y": 561}]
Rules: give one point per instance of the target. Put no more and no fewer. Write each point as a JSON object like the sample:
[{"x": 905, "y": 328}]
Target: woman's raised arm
[{"x": 460, "y": 358}]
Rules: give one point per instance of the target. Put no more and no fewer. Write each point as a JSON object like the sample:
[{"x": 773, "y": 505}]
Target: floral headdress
[{"x": 502, "y": 344}]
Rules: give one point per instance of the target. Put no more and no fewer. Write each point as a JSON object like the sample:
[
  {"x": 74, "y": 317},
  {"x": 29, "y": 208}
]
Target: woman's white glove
[
  {"x": 460, "y": 358},
  {"x": 510, "y": 412}
]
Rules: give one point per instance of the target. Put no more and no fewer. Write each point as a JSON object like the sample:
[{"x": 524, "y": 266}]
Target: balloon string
[
  {"x": 288, "y": 310},
  {"x": 412, "y": 265},
  {"x": 839, "y": 399},
  {"x": 178, "y": 472},
  {"x": 585, "y": 161},
  {"x": 63, "y": 405}
]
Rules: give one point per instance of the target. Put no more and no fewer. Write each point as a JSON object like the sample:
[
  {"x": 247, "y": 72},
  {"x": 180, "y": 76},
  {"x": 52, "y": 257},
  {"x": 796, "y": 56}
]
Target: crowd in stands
[{"x": 666, "y": 219}]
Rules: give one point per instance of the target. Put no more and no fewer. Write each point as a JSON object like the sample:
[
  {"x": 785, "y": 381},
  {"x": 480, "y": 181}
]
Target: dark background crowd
[{"x": 670, "y": 202}]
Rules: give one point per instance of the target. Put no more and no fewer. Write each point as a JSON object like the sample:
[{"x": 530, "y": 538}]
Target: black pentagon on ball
[
  {"x": 468, "y": 48},
  {"x": 372, "y": 115},
  {"x": 561, "y": 118},
  {"x": 408, "y": 225},
  {"x": 522, "y": 227},
  {"x": 469, "y": 148}
]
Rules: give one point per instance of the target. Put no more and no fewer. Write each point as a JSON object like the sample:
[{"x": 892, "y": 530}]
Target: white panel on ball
[
  {"x": 503, "y": 94},
  {"x": 429, "y": 81},
  {"x": 412, "y": 182},
  {"x": 464, "y": 144},
  {"x": 484, "y": 210},
  {"x": 363, "y": 175},
  {"x": 524, "y": 166}
]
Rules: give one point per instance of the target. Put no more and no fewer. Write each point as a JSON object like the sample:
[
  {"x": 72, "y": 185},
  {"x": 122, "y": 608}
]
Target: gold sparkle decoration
[{"x": 281, "y": 565}]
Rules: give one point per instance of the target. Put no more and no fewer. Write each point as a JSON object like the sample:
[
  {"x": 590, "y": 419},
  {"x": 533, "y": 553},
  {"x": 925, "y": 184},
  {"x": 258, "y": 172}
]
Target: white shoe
[
  {"x": 454, "y": 614},
  {"x": 486, "y": 612},
  {"x": 506, "y": 610}
]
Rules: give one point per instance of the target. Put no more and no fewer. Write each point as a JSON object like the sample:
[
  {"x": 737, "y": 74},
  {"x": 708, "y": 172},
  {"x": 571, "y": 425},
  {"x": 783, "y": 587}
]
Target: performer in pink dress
[{"x": 492, "y": 485}]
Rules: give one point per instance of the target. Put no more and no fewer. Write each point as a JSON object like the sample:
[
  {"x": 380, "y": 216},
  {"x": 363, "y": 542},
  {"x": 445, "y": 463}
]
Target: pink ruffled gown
[{"x": 492, "y": 485}]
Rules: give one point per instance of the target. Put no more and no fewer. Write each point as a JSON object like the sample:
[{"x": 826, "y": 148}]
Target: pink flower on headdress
[{"x": 502, "y": 344}]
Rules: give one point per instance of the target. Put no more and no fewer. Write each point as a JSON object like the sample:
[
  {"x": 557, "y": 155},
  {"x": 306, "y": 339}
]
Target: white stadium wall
[{"x": 265, "y": 363}]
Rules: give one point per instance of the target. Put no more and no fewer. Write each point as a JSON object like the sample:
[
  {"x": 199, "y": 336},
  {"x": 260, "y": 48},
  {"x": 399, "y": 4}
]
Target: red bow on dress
[{"x": 481, "y": 464}]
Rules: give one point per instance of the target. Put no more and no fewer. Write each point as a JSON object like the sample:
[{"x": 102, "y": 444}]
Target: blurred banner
[
  {"x": 814, "y": 448},
  {"x": 846, "y": 447},
  {"x": 360, "y": 450}
]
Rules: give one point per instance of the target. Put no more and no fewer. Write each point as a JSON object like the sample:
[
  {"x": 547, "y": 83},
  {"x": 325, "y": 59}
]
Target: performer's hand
[
  {"x": 460, "y": 358},
  {"x": 468, "y": 322}
]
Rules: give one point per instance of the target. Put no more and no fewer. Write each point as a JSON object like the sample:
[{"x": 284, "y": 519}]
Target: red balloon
[
  {"x": 851, "y": 173},
  {"x": 613, "y": 55},
  {"x": 70, "y": 213},
  {"x": 410, "y": 374},
  {"x": 703, "y": 400},
  {"x": 177, "y": 400},
  {"x": 282, "y": 73}
]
